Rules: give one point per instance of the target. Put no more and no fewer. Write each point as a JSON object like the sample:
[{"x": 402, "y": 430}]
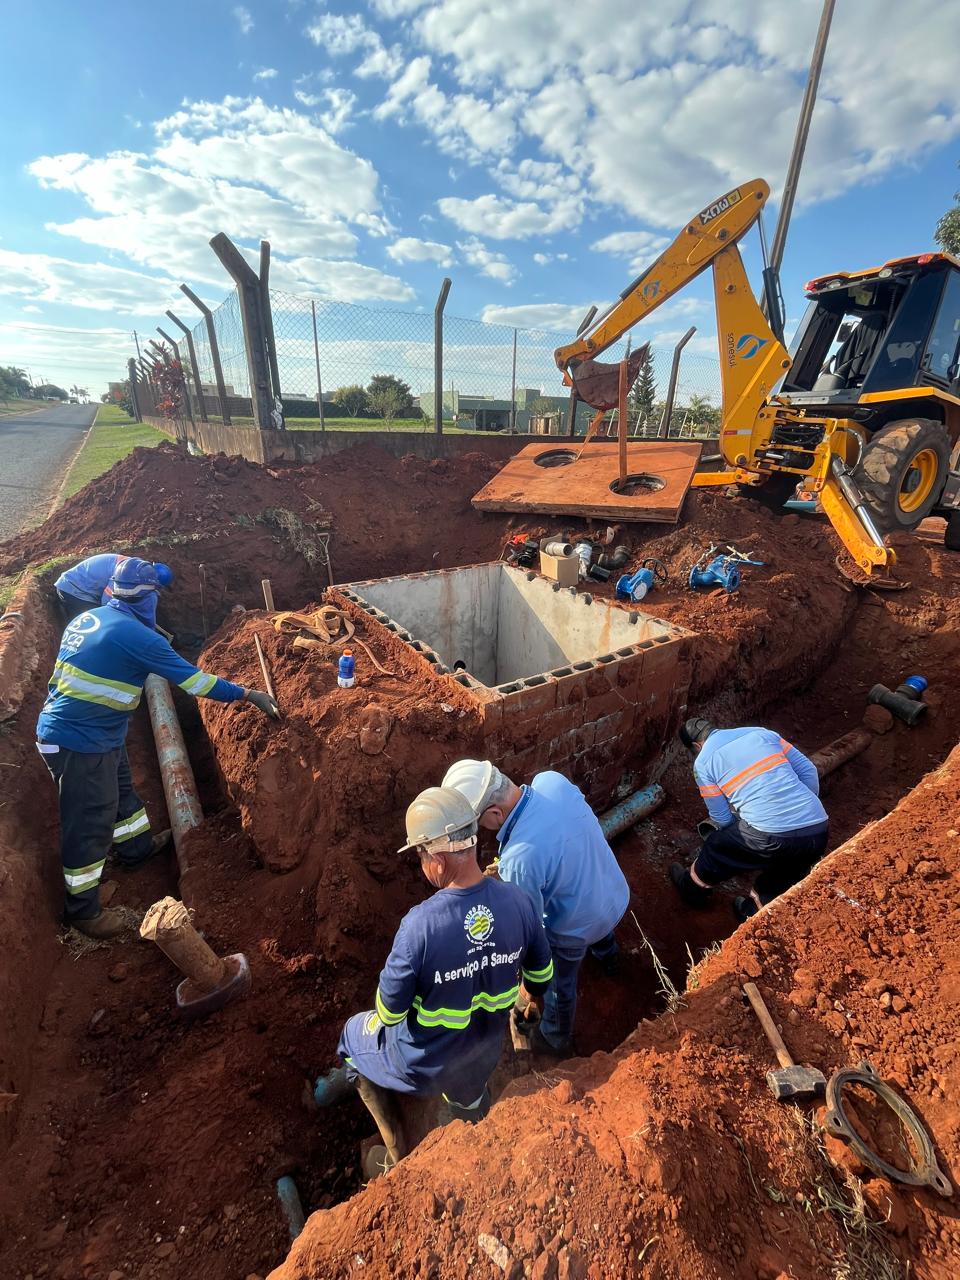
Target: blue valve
[
  {"x": 634, "y": 586},
  {"x": 724, "y": 570}
]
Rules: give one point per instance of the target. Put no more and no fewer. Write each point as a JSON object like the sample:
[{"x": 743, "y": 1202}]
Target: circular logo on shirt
[
  {"x": 478, "y": 923},
  {"x": 85, "y": 622}
]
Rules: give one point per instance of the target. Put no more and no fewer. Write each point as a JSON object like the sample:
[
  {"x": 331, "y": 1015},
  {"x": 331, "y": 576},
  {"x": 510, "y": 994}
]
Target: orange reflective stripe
[
  {"x": 710, "y": 791},
  {"x": 787, "y": 746},
  {"x": 761, "y": 766}
]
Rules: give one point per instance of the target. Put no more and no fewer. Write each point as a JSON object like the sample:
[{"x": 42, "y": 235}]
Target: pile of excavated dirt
[{"x": 151, "y": 1147}]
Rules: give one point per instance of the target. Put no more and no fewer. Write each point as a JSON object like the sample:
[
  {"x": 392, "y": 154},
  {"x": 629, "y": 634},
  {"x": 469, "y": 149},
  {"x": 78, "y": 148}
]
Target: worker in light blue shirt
[
  {"x": 765, "y": 815},
  {"x": 106, "y": 654},
  {"x": 551, "y": 845},
  {"x": 82, "y": 586}
]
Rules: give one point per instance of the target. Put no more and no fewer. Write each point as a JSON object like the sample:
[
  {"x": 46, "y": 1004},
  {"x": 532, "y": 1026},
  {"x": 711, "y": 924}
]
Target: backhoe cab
[{"x": 865, "y": 408}]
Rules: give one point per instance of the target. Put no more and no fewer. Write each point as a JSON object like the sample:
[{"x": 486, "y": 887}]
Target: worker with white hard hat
[
  {"x": 457, "y": 966},
  {"x": 552, "y": 847}
]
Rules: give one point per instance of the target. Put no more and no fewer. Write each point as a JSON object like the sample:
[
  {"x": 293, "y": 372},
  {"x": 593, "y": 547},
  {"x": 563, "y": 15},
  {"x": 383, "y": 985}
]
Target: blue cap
[
  {"x": 164, "y": 573},
  {"x": 133, "y": 579},
  {"x": 919, "y": 683}
]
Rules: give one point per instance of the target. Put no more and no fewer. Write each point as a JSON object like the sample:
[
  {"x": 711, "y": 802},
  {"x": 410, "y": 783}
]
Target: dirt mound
[
  {"x": 669, "y": 1158},
  {"x": 322, "y": 793}
]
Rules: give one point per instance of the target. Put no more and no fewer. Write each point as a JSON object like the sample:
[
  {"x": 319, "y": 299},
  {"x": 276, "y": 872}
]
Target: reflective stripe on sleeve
[
  {"x": 80, "y": 879},
  {"x": 127, "y": 828},
  {"x": 198, "y": 684},
  {"x": 459, "y": 1019},
  {"x": 388, "y": 1018},
  {"x": 48, "y": 748},
  {"x": 538, "y": 975},
  {"x": 707, "y": 792}
]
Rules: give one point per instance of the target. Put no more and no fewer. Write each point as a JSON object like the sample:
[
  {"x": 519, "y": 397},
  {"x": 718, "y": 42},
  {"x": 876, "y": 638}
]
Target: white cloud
[
  {"x": 338, "y": 110},
  {"x": 554, "y": 316},
  {"x": 487, "y": 261},
  {"x": 464, "y": 125},
  {"x": 66, "y": 355},
  {"x": 621, "y": 97},
  {"x": 397, "y": 8},
  {"x": 501, "y": 219},
  {"x": 339, "y": 34},
  {"x": 410, "y": 249},
  {"x": 32, "y": 310},
  {"x": 544, "y": 259},
  {"x": 640, "y": 248},
  {"x": 266, "y": 73},
  {"x": 244, "y": 19},
  {"x": 96, "y": 285},
  {"x": 239, "y": 166},
  {"x": 342, "y": 281}
]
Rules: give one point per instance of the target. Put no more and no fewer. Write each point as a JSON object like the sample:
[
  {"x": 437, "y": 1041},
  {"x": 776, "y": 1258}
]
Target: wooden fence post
[{"x": 254, "y": 335}]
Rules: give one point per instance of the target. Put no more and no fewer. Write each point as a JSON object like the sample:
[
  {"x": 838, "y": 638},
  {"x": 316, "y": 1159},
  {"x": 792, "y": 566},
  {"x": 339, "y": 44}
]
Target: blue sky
[{"x": 537, "y": 154}]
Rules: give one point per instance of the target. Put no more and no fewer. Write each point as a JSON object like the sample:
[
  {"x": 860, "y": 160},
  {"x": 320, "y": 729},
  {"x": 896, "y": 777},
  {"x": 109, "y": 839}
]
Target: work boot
[
  {"x": 540, "y": 1044},
  {"x": 158, "y": 844},
  {"x": 744, "y": 908},
  {"x": 692, "y": 894},
  {"x": 107, "y": 924}
]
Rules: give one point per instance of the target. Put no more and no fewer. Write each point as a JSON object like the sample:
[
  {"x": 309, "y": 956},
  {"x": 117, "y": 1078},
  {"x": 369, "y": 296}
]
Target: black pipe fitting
[
  {"x": 616, "y": 560},
  {"x": 905, "y": 709}
]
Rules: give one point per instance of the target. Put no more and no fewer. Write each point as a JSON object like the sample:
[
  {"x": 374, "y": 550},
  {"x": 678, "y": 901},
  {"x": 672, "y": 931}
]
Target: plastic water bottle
[{"x": 345, "y": 676}]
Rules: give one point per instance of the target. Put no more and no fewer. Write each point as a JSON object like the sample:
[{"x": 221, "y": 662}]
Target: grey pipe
[
  {"x": 631, "y": 810},
  {"x": 179, "y": 785}
]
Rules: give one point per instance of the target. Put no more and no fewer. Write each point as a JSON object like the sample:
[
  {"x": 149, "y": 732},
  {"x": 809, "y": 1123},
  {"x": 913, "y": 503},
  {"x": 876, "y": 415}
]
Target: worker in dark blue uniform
[
  {"x": 458, "y": 964},
  {"x": 82, "y": 587},
  {"x": 105, "y": 656},
  {"x": 765, "y": 815}
]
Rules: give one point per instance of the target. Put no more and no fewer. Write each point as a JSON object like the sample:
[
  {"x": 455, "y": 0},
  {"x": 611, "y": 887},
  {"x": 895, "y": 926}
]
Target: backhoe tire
[
  {"x": 903, "y": 471},
  {"x": 951, "y": 535},
  {"x": 777, "y": 489}
]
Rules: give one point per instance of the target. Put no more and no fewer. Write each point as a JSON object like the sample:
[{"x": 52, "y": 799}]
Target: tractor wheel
[
  {"x": 902, "y": 472},
  {"x": 951, "y": 535},
  {"x": 773, "y": 492}
]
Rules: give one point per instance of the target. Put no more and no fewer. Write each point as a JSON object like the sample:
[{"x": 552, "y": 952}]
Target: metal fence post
[
  {"x": 183, "y": 381},
  {"x": 316, "y": 356},
  {"x": 214, "y": 352},
  {"x": 438, "y": 355},
  {"x": 513, "y": 386},
  {"x": 197, "y": 384},
  {"x": 664, "y": 429},
  {"x": 254, "y": 332},
  {"x": 134, "y": 397}
]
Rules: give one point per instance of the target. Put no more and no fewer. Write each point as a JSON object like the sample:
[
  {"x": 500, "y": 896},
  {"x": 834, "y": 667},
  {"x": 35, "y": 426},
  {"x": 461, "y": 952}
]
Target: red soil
[{"x": 152, "y": 1148}]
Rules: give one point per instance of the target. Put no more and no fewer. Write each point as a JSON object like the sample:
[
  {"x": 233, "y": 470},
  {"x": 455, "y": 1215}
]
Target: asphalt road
[{"x": 35, "y": 449}]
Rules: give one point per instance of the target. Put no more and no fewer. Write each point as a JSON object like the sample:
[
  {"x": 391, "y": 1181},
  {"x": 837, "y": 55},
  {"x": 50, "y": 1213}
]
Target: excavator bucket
[{"x": 598, "y": 384}]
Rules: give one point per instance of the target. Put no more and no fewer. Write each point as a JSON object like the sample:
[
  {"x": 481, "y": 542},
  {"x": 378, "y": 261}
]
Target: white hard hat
[
  {"x": 475, "y": 779},
  {"x": 434, "y": 815}
]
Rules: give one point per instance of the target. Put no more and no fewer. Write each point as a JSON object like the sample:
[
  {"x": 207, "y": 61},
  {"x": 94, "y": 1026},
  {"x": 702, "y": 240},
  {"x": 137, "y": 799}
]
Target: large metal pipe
[
  {"x": 631, "y": 810},
  {"x": 179, "y": 786}
]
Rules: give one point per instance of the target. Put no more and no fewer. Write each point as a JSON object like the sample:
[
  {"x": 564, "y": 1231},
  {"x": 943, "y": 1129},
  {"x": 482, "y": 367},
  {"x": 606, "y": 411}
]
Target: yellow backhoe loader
[{"x": 866, "y": 407}]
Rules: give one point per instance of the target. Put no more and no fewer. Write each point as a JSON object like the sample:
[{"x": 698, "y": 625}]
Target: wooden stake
[
  {"x": 263, "y": 666},
  {"x": 622, "y": 420},
  {"x": 267, "y": 595}
]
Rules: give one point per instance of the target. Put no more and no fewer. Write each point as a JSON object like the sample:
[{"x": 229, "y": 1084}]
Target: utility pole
[{"x": 800, "y": 141}]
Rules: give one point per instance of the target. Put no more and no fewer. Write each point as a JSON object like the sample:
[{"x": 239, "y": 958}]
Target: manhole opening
[
  {"x": 642, "y": 482},
  {"x": 556, "y": 458}
]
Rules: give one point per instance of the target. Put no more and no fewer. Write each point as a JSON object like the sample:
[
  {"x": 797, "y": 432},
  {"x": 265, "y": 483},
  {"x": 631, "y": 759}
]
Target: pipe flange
[{"x": 927, "y": 1173}]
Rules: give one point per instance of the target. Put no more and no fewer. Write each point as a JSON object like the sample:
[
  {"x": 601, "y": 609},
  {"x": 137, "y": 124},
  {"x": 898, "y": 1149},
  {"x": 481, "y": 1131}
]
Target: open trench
[{"x": 145, "y": 1147}]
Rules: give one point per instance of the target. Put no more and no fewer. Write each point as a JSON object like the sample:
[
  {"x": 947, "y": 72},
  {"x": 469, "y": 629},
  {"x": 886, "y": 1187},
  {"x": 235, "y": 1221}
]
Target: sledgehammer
[{"x": 791, "y": 1083}]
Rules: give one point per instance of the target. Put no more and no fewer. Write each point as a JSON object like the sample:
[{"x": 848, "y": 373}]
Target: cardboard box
[{"x": 562, "y": 569}]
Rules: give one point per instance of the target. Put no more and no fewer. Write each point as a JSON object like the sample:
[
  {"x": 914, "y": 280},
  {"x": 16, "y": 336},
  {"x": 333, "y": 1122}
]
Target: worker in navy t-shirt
[{"x": 458, "y": 965}]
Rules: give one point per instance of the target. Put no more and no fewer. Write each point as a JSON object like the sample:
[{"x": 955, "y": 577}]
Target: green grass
[
  {"x": 20, "y": 406},
  {"x": 113, "y": 435}
]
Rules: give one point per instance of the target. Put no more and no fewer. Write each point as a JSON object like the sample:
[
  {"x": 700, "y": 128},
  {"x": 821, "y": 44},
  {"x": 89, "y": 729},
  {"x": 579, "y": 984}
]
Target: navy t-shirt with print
[{"x": 447, "y": 989}]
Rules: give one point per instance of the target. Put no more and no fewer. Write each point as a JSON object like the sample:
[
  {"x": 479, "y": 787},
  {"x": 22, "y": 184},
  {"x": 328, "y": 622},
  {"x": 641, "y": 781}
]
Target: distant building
[{"x": 534, "y": 411}]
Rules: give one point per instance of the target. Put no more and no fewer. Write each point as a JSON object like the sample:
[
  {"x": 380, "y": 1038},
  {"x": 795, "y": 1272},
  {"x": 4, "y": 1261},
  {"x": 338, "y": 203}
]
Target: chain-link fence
[{"x": 372, "y": 363}]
